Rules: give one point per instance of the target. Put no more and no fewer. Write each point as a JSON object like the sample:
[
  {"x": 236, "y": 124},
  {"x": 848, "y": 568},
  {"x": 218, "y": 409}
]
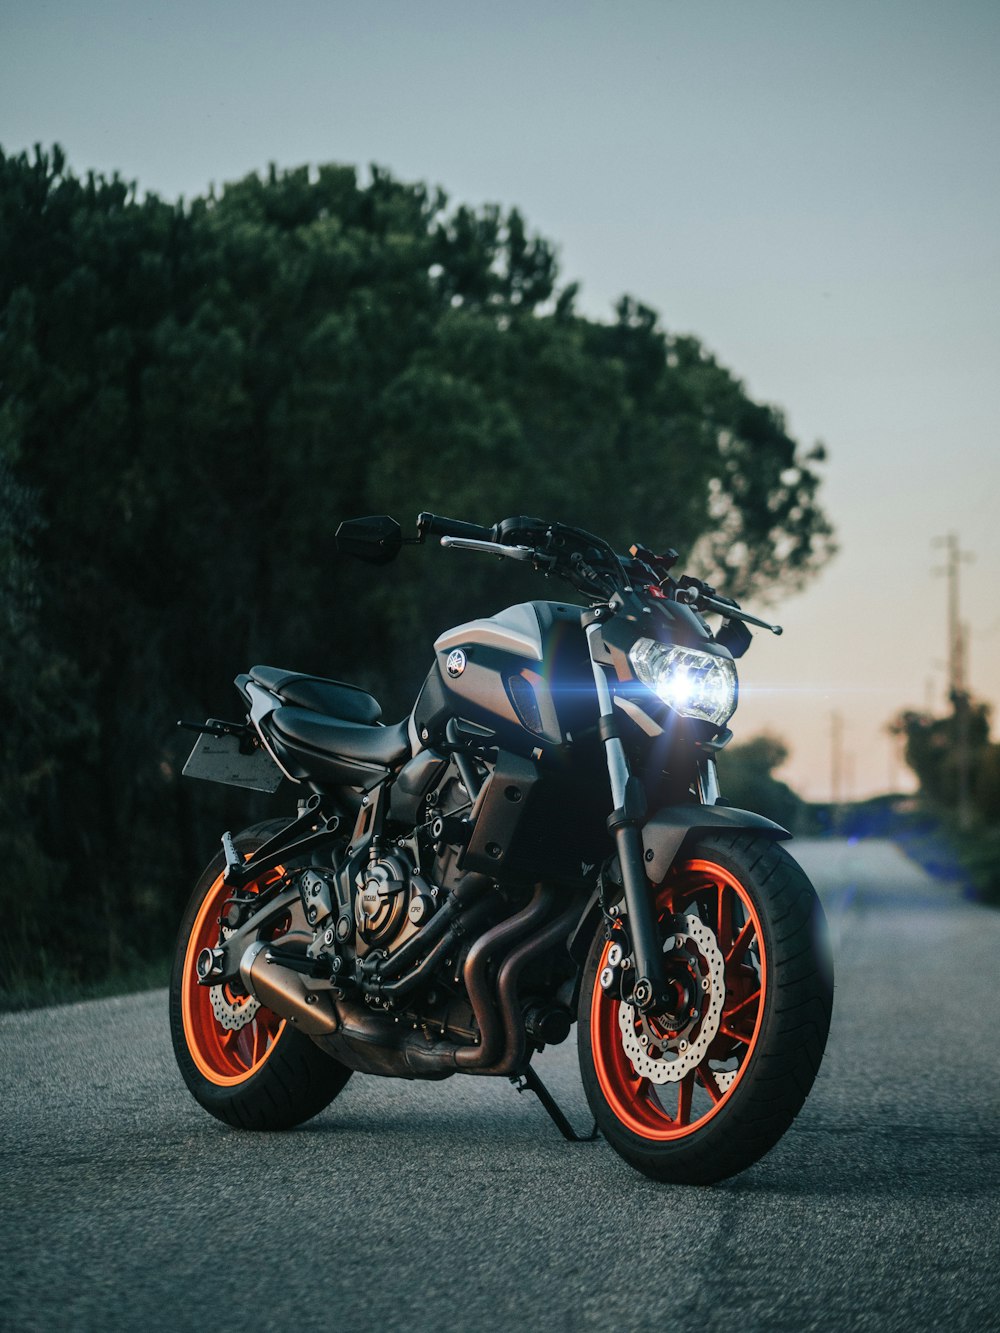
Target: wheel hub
[
  {"x": 664, "y": 1048},
  {"x": 232, "y": 1011}
]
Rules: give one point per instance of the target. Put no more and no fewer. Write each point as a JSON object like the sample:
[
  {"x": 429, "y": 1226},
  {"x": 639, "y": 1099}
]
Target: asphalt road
[{"x": 458, "y": 1206}]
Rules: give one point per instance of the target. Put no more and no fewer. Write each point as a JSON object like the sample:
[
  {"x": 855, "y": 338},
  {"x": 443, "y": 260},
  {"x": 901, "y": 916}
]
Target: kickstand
[{"x": 528, "y": 1081}]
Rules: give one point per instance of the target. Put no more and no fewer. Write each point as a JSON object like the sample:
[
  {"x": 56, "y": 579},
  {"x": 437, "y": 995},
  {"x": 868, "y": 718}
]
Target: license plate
[{"x": 219, "y": 759}]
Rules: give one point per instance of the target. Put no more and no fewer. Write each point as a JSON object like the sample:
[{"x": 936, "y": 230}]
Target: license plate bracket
[{"x": 224, "y": 758}]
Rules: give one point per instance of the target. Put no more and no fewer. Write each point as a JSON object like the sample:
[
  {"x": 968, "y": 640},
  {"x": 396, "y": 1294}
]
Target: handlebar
[
  {"x": 585, "y": 561},
  {"x": 554, "y": 548},
  {"x": 433, "y": 525}
]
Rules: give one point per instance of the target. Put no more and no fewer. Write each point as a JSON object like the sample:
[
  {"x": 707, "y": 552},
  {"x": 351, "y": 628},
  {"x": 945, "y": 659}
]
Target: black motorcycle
[{"x": 543, "y": 839}]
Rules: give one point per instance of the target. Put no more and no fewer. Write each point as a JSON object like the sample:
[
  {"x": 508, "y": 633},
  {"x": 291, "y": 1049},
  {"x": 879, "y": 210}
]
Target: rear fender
[{"x": 663, "y": 836}]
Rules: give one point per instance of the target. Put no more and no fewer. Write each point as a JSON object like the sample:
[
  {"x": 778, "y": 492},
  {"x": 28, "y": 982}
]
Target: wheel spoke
[
  {"x": 737, "y": 952},
  {"x": 684, "y": 1090},
  {"x": 258, "y": 1048},
  {"x": 736, "y": 1036},
  {"x": 674, "y": 896},
  {"x": 641, "y": 1087},
  {"x": 745, "y": 1009},
  {"x": 666, "y": 900},
  {"x": 242, "y": 1049},
  {"x": 741, "y": 1008},
  {"x": 706, "y": 1076},
  {"x": 724, "y": 919}
]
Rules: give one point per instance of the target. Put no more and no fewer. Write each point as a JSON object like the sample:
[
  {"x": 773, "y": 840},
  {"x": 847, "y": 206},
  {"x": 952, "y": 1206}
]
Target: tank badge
[{"x": 456, "y": 662}]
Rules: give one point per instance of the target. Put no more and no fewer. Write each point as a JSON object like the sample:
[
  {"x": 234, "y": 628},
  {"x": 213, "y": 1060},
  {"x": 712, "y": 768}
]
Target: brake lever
[
  {"x": 702, "y": 602},
  {"x": 488, "y": 548}
]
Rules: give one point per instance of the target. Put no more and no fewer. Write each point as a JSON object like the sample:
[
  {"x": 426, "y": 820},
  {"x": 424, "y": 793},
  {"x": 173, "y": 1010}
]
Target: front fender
[
  {"x": 663, "y": 835},
  {"x": 665, "y": 832}
]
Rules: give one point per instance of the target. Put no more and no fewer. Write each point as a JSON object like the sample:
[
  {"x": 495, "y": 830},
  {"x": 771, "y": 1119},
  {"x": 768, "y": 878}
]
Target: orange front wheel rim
[
  {"x": 229, "y": 1035},
  {"x": 666, "y": 1079}
]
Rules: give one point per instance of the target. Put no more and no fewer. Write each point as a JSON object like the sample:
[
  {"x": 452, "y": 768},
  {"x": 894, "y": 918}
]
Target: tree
[
  {"x": 41, "y": 718},
  {"x": 193, "y": 397},
  {"x": 932, "y": 750}
]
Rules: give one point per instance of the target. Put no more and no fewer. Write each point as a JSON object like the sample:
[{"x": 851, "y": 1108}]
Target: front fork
[
  {"x": 625, "y": 824},
  {"x": 708, "y": 782}
]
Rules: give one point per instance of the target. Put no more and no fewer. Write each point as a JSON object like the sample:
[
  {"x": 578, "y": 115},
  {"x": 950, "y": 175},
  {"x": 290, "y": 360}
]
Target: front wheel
[
  {"x": 243, "y": 1063},
  {"x": 702, "y": 1090}
]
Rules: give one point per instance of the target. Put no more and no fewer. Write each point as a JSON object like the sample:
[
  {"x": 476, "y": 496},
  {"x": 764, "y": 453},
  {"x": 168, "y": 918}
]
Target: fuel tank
[{"x": 524, "y": 675}]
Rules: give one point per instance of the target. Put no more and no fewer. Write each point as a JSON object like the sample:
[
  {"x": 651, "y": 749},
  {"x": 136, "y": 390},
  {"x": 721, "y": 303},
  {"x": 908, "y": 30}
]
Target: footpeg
[{"x": 233, "y": 858}]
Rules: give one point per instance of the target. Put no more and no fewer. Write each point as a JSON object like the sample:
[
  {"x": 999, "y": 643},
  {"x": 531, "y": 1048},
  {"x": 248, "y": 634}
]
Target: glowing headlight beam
[{"x": 693, "y": 683}]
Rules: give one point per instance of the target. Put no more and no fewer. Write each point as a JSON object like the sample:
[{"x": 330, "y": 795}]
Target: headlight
[{"x": 693, "y": 683}]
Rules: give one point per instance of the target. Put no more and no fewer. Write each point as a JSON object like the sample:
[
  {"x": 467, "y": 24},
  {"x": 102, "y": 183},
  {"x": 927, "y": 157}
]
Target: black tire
[
  {"x": 290, "y": 1081},
  {"x": 763, "y": 1050}
]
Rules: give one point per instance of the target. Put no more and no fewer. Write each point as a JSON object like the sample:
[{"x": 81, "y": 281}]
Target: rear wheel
[
  {"x": 242, "y": 1062},
  {"x": 700, "y": 1091}
]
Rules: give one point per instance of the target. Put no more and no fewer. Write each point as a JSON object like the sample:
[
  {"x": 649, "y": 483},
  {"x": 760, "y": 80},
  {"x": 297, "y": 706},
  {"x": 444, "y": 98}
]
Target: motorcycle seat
[
  {"x": 347, "y": 703},
  {"x": 364, "y": 744}
]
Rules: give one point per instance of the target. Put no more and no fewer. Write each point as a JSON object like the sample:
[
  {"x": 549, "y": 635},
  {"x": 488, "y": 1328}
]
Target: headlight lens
[{"x": 693, "y": 683}]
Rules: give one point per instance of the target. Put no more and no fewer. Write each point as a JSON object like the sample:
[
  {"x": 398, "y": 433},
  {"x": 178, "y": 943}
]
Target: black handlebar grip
[{"x": 433, "y": 525}]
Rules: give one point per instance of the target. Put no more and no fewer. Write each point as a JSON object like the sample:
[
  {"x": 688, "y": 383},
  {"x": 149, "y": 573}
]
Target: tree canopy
[
  {"x": 193, "y": 395},
  {"x": 934, "y": 750}
]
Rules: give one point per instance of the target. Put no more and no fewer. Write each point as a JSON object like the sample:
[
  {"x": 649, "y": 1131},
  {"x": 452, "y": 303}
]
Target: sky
[{"x": 811, "y": 189}]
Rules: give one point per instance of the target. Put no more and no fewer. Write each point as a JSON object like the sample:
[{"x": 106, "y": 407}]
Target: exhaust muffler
[{"x": 287, "y": 993}]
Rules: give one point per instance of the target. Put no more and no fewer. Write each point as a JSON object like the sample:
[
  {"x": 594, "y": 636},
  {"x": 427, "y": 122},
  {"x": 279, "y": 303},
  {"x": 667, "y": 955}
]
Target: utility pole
[{"x": 957, "y": 677}]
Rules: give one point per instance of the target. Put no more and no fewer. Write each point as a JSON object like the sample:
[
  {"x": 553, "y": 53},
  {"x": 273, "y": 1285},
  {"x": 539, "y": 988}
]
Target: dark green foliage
[{"x": 193, "y": 396}]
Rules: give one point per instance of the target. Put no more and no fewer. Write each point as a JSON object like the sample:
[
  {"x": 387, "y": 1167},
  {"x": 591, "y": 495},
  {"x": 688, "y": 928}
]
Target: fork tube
[
  {"x": 708, "y": 782},
  {"x": 625, "y": 826},
  {"x": 618, "y": 769}
]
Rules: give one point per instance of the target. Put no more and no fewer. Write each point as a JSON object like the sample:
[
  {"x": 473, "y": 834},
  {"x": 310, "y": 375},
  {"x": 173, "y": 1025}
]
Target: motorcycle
[{"x": 541, "y": 841}]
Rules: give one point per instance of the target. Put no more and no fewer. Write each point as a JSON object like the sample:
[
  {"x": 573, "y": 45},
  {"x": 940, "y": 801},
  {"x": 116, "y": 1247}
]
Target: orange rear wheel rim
[
  {"x": 675, "y": 1110},
  {"x": 224, "y": 1057}
]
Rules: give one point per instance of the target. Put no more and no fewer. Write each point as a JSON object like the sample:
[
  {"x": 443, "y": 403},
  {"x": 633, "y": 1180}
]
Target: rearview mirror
[{"x": 377, "y": 539}]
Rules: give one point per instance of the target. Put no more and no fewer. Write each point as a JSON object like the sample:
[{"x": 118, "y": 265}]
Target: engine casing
[{"x": 391, "y": 902}]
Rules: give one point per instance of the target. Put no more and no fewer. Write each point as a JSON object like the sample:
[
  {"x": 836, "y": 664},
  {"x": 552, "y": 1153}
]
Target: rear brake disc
[{"x": 232, "y": 1011}]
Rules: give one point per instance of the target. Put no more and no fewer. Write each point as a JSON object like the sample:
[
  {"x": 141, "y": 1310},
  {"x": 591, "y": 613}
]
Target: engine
[
  {"x": 370, "y": 904},
  {"x": 391, "y": 902},
  {"x": 367, "y": 911}
]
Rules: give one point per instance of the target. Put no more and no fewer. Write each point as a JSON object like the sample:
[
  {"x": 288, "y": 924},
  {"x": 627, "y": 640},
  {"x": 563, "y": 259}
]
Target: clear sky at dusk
[{"x": 811, "y": 189}]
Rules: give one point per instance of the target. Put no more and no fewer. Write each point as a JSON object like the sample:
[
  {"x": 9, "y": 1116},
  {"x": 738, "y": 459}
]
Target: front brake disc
[{"x": 682, "y": 1053}]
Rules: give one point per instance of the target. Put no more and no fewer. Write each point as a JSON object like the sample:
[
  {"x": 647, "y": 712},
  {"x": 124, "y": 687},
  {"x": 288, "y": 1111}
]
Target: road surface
[{"x": 458, "y": 1206}]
